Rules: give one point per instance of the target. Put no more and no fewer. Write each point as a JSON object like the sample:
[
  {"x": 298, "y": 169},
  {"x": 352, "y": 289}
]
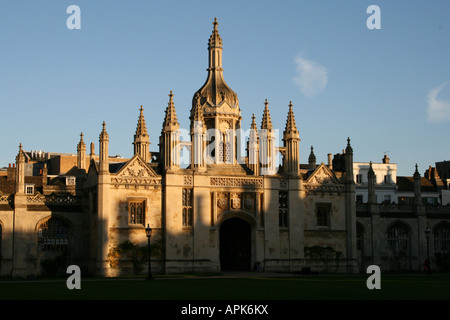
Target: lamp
[
  {"x": 148, "y": 233},
  {"x": 428, "y": 263}
]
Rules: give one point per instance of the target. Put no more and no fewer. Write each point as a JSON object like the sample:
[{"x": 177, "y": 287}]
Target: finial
[
  {"x": 266, "y": 103},
  {"x": 141, "y": 109},
  {"x": 104, "y": 125},
  {"x": 348, "y": 141},
  {"x": 312, "y": 149},
  {"x": 417, "y": 168},
  {"x": 290, "y": 104},
  {"x": 20, "y": 146},
  {"x": 215, "y": 23},
  {"x": 81, "y": 136}
]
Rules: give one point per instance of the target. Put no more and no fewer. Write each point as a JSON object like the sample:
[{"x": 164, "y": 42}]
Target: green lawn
[{"x": 258, "y": 287}]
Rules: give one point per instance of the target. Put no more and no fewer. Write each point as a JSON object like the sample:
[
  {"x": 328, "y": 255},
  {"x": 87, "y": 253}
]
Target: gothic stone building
[{"x": 227, "y": 209}]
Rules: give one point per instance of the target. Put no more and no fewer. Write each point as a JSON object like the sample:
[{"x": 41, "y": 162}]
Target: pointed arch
[
  {"x": 441, "y": 235},
  {"x": 53, "y": 234}
]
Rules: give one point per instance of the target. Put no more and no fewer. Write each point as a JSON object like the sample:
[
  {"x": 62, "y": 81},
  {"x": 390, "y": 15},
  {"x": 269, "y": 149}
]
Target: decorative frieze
[
  {"x": 136, "y": 181},
  {"x": 5, "y": 199},
  {"x": 323, "y": 188},
  {"x": 53, "y": 199},
  {"x": 245, "y": 201},
  {"x": 236, "y": 182}
]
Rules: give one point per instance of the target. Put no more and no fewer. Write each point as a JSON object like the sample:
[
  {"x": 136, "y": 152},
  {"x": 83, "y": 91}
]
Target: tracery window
[
  {"x": 398, "y": 238},
  {"x": 283, "y": 209},
  {"x": 187, "y": 207},
  {"x": 442, "y": 238},
  {"x": 53, "y": 235},
  {"x": 136, "y": 212}
]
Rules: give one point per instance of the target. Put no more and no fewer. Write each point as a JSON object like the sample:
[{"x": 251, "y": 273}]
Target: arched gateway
[{"x": 235, "y": 245}]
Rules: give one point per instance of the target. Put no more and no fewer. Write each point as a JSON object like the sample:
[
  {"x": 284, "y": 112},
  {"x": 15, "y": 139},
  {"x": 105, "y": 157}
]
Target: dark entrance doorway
[{"x": 235, "y": 245}]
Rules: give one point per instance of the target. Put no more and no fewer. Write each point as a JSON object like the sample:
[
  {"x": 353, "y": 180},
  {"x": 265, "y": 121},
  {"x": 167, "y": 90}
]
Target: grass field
[{"x": 257, "y": 287}]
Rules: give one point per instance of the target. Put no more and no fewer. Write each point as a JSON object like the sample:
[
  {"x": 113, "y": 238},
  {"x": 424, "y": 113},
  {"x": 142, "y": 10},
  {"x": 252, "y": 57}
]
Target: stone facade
[{"x": 223, "y": 211}]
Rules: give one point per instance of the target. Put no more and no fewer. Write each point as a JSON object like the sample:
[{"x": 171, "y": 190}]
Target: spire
[
  {"x": 253, "y": 129},
  {"x": 266, "y": 121},
  {"x": 141, "y": 128},
  {"x": 104, "y": 146},
  {"x": 81, "y": 154},
  {"x": 349, "y": 148},
  {"x": 290, "y": 122},
  {"x": 141, "y": 139},
  {"x": 416, "y": 173},
  {"x": 20, "y": 156},
  {"x": 198, "y": 112},
  {"x": 171, "y": 116},
  {"x": 214, "y": 40},
  {"x": 104, "y": 135},
  {"x": 253, "y": 125},
  {"x": 81, "y": 145},
  {"x": 312, "y": 159}
]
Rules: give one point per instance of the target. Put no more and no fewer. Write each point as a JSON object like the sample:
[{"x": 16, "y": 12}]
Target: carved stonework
[
  {"x": 53, "y": 199},
  {"x": 136, "y": 169},
  {"x": 5, "y": 198},
  {"x": 322, "y": 176},
  {"x": 249, "y": 202},
  {"x": 187, "y": 180},
  {"x": 236, "y": 200},
  {"x": 222, "y": 202},
  {"x": 237, "y": 182},
  {"x": 136, "y": 173},
  {"x": 319, "y": 188},
  {"x": 283, "y": 183}
]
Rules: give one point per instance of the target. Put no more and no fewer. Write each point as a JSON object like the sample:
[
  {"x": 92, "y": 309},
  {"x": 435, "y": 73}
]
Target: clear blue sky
[{"x": 386, "y": 89}]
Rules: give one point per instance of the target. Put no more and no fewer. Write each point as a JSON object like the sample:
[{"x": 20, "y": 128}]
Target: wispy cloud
[
  {"x": 438, "y": 110},
  {"x": 311, "y": 77}
]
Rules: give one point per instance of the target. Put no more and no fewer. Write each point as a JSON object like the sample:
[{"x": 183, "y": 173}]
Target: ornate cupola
[{"x": 217, "y": 104}]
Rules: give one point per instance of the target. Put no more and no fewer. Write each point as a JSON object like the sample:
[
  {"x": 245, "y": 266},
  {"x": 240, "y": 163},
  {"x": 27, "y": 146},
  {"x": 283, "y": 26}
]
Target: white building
[{"x": 385, "y": 183}]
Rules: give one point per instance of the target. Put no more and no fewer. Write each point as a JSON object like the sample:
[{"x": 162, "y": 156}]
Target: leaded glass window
[
  {"x": 398, "y": 239},
  {"x": 442, "y": 238},
  {"x": 53, "y": 235},
  {"x": 283, "y": 209},
  {"x": 136, "y": 212},
  {"x": 323, "y": 211},
  {"x": 187, "y": 207}
]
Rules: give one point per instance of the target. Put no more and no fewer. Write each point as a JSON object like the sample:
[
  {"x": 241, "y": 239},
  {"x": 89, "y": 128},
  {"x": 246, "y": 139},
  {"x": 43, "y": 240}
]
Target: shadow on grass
[{"x": 216, "y": 286}]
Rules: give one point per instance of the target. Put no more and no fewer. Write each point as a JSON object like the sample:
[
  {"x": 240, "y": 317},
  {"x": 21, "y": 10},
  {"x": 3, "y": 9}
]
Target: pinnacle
[
  {"x": 290, "y": 122},
  {"x": 141, "y": 128},
  {"x": 171, "y": 115},
  {"x": 266, "y": 121}
]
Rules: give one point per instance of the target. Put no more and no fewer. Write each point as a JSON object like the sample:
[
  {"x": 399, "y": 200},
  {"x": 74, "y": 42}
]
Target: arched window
[
  {"x": 442, "y": 238},
  {"x": 398, "y": 238},
  {"x": 53, "y": 235}
]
